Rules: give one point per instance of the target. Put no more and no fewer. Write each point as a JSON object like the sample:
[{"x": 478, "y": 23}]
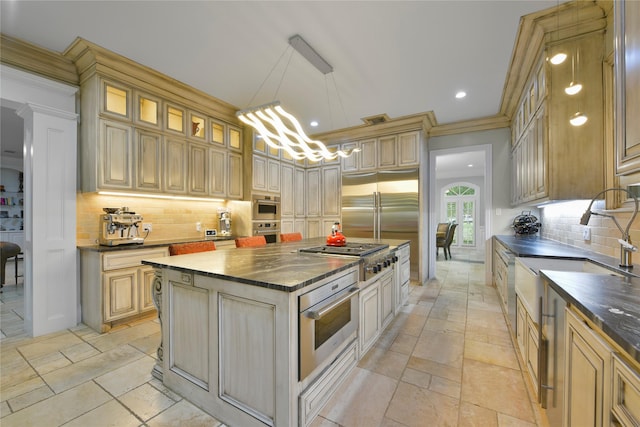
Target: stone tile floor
[{"x": 446, "y": 360}]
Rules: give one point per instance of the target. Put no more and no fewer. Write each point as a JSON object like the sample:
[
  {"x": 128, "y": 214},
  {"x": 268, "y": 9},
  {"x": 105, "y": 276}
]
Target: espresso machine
[
  {"x": 119, "y": 226},
  {"x": 224, "y": 217}
]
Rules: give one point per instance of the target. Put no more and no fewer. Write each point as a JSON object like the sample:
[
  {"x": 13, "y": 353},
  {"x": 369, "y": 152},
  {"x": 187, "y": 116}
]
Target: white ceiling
[{"x": 389, "y": 57}]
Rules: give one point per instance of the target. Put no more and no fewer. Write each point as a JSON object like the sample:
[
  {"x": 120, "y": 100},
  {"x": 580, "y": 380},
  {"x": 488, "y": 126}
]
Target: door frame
[
  {"x": 48, "y": 108},
  {"x": 488, "y": 201}
]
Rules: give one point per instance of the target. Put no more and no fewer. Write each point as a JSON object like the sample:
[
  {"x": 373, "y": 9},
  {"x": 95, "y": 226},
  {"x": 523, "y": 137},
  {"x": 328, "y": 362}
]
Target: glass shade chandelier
[{"x": 280, "y": 129}]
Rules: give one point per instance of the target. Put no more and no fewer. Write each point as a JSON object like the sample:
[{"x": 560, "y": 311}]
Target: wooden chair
[
  {"x": 445, "y": 243},
  {"x": 191, "y": 248},
  {"x": 7, "y": 250},
  {"x": 250, "y": 242},
  {"x": 290, "y": 237},
  {"x": 441, "y": 231}
]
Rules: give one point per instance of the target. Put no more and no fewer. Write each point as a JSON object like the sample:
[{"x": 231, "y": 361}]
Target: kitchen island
[{"x": 230, "y": 330}]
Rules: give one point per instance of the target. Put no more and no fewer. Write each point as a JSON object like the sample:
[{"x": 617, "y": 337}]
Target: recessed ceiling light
[
  {"x": 469, "y": 165},
  {"x": 314, "y": 123},
  {"x": 461, "y": 94}
]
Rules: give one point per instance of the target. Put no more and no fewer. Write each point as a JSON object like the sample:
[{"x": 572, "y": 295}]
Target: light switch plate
[{"x": 586, "y": 233}]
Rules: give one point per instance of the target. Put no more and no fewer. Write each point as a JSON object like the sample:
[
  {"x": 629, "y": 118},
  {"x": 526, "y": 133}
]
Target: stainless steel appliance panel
[
  {"x": 383, "y": 205},
  {"x": 265, "y": 208},
  {"x": 328, "y": 322},
  {"x": 552, "y": 354}
]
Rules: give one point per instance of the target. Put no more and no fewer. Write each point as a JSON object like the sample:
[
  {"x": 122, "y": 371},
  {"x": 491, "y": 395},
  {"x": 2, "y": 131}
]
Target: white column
[{"x": 50, "y": 130}]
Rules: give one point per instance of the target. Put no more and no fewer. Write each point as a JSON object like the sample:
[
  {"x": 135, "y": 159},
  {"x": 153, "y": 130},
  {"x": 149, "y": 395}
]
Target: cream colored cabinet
[
  {"x": 545, "y": 144},
  {"x": 300, "y": 196},
  {"x": 314, "y": 227},
  {"x": 115, "y": 285},
  {"x": 120, "y": 293},
  {"x": 370, "y": 322},
  {"x": 350, "y": 164},
  {"x": 218, "y": 176},
  {"x": 587, "y": 376},
  {"x": 500, "y": 271},
  {"x": 225, "y": 176},
  {"x": 148, "y": 160},
  {"x": 115, "y": 170},
  {"x": 625, "y": 405},
  {"x": 409, "y": 149},
  {"x": 266, "y": 174},
  {"x": 368, "y": 155},
  {"x": 234, "y": 174},
  {"x": 314, "y": 192},
  {"x": 383, "y": 153},
  {"x": 387, "y": 152},
  {"x": 402, "y": 270},
  {"x": 198, "y": 169},
  {"x": 175, "y": 165},
  {"x": 331, "y": 190},
  {"x": 132, "y": 120},
  {"x": 387, "y": 300},
  {"x": 287, "y": 195}
]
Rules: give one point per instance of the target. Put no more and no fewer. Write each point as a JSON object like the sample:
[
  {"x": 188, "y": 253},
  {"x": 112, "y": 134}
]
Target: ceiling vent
[{"x": 376, "y": 120}]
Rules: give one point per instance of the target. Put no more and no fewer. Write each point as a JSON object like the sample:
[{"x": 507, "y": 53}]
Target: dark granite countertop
[
  {"x": 150, "y": 244},
  {"x": 537, "y": 247},
  {"x": 611, "y": 302},
  {"x": 276, "y": 266}
]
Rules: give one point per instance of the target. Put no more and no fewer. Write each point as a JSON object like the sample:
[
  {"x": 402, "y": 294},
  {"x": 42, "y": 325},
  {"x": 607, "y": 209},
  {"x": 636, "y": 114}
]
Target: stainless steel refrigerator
[{"x": 383, "y": 205}]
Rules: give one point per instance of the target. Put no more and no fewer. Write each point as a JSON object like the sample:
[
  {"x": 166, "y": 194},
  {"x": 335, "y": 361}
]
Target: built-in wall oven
[
  {"x": 269, "y": 229},
  {"x": 265, "y": 208},
  {"x": 328, "y": 322}
]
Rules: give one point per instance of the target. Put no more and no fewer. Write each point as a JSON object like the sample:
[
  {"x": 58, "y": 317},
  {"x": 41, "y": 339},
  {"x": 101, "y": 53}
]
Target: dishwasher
[{"x": 551, "y": 355}]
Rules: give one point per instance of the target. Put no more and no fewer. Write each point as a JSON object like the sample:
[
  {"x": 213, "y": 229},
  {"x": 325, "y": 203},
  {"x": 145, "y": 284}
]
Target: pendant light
[
  {"x": 575, "y": 86},
  {"x": 579, "y": 118},
  {"x": 280, "y": 129}
]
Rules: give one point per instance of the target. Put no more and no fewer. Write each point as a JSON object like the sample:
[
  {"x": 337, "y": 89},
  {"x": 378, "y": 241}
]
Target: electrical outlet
[
  {"x": 586, "y": 233},
  {"x": 147, "y": 226},
  {"x": 198, "y": 226}
]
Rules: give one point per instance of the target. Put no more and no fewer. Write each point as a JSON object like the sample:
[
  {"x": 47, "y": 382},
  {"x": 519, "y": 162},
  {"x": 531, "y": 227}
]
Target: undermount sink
[{"x": 529, "y": 286}]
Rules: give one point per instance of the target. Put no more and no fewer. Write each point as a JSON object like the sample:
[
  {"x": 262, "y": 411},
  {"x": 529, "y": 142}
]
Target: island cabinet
[
  {"x": 232, "y": 349},
  {"x": 115, "y": 286},
  {"x": 545, "y": 145},
  {"x": 376, "y": 309},
  {"x": 144, "y": 132}
]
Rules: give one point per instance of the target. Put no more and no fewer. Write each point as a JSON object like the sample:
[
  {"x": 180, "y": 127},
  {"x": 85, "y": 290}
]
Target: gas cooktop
[{"x": 352, "y": 249}]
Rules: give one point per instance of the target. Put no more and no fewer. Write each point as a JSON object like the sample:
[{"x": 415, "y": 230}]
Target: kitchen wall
[
  {"x": 170, "y": 219},
  {"x": 561, "y": 222}
]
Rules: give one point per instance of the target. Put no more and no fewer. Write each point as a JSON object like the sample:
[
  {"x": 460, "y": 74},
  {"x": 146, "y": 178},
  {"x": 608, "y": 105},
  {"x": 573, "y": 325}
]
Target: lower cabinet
[
  {"x": 588, "y": 376},
  {"x": 526, "y": 330},
  {"x": 376, "y": 309},
  {"x": 625, "y": 405},
  {"x": 116, "y": 286}
]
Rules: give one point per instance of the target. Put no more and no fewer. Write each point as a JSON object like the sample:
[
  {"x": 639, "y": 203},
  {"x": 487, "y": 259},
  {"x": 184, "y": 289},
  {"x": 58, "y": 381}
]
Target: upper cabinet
[
  {"x": 627, "y": 35},
  {"x": 546, "y": 147},
  {"x": 144, "y": 132},
  {"x": 394, "y": 151}
]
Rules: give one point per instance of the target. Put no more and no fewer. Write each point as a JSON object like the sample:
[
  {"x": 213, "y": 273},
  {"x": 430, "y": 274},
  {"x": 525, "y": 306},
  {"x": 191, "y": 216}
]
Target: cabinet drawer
[
  {"x": 317, "y": 395},
  {"x": 626, "y": 393},
  {"x": 132, "y": 258}
]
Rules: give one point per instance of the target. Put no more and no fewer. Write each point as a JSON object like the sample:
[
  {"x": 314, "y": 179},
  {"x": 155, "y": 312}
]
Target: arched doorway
[{"x": 460, "y": 205}]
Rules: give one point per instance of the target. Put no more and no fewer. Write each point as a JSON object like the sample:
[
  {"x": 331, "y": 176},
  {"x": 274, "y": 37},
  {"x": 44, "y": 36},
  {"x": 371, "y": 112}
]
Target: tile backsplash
[
  {"x": 170, "y": 219},
  {"x": 561, "y": 222}
]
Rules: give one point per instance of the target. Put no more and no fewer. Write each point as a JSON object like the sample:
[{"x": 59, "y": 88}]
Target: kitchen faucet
[{"x": 626, "y": 248}]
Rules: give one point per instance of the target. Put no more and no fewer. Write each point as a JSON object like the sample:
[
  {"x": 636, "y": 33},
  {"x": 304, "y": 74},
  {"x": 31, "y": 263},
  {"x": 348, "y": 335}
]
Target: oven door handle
[
  {"x": 270, "y": 231},
  {"x": 318, "y": 314}
]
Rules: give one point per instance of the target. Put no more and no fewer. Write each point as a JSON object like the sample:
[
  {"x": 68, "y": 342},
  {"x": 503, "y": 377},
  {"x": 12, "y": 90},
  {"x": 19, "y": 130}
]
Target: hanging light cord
[{"x": 269, "y": 75}]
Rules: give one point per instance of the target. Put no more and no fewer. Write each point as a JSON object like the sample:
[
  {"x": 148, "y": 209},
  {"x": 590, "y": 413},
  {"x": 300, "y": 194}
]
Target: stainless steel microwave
[{"x": 265, "y": 208}]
